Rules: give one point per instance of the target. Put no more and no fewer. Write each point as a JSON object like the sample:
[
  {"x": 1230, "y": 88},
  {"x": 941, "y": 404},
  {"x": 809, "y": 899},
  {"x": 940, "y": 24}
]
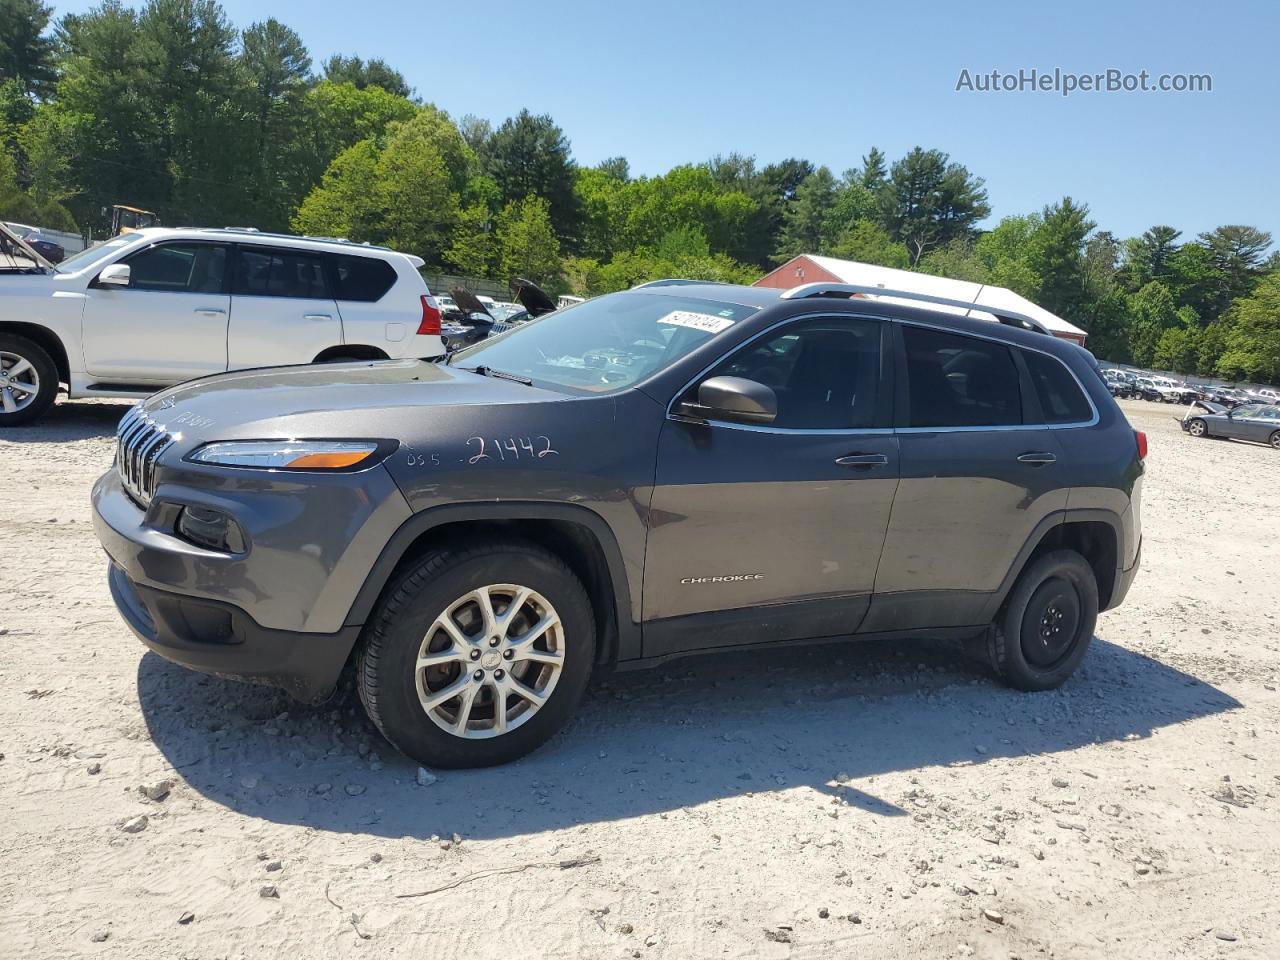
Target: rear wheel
[
  {"x": 477, "y": 655},
  {"x": 1044, "y": 630},
  {"x": 1275, "y": 440},
  {"x": 28, "y": 380},
  {"x": 1197, "y": 428}
]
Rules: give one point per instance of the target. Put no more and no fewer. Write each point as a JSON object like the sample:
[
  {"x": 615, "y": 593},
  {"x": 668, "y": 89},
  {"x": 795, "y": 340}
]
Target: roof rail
[
  {"x": 296, "y": 236},
  {"x": 1010, "y": 318},
  {"x": 677, "y": 282}
]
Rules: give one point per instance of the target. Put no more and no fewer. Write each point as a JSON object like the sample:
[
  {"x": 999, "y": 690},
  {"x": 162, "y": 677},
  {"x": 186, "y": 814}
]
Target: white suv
[{"x": 159, "y": 306}]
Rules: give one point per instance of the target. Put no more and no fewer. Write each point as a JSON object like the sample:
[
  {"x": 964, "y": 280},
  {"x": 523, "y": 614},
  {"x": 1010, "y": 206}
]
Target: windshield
[
  {"x": 607, "y": 343},
  {"x": 91, "y": 255}
]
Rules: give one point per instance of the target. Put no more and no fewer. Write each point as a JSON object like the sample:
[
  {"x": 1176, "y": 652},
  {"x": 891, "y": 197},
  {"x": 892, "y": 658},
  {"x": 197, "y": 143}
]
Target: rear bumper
[
  {"x": 221, "y": 639},
  {"x": 1124, "y": 580}
]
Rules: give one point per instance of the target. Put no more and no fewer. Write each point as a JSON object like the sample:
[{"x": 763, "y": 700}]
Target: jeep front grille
[{"x": 139, "y": 443}]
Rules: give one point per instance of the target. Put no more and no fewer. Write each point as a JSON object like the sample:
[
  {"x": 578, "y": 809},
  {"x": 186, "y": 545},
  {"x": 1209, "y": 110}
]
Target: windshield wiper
[{"x": 500, "y": 374}]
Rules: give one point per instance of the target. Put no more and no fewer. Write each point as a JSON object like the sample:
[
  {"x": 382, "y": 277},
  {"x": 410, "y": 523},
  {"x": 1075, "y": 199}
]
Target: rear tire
[
  {"x": 510, "y": 698},
  {"x": 28, "y": 380},
  {"x": 1043, "y": 632},
  {"x": 1275, "y": 440}
]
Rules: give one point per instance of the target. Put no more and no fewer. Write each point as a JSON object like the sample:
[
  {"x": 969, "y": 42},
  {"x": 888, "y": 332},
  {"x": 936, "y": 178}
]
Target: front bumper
[{"x": 222, "y": 639}]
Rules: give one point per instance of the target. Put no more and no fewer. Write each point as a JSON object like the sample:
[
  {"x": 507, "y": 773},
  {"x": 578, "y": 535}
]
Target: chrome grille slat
[{"x": 140, "y": 441}]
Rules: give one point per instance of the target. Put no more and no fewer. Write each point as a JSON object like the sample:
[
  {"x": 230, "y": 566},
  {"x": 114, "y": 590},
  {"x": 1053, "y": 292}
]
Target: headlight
[{"x": 294, "y": 454}]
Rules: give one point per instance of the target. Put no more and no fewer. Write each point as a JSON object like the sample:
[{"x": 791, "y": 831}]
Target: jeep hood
[{"x": 373, "y": 399}]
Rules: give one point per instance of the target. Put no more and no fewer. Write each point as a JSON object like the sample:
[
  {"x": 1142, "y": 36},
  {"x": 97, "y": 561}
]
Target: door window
[
  {"x": 280, "y": 273},
  {"x": 1247, "y": 410},
  {"x": 1061, "y": 399},
  {"x": 826, "y": 373},
  {"x": 959, "y": 381},
  {"x": 179, "y": 268}
]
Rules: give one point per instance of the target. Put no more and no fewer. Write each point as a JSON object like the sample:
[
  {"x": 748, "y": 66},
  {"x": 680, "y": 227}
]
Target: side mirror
[
  {"x": 735, "y": 399},
  {"x": 116, "y": 275}
]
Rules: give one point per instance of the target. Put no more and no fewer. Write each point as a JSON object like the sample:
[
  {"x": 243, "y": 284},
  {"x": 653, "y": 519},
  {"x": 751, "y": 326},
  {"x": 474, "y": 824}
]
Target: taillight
[
  {"x": 430, "y": 324},
  {"x": 1142, "y": 444}
]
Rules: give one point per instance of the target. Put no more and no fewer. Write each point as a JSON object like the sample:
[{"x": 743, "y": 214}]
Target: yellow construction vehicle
[{"x": 126, "y": 219}]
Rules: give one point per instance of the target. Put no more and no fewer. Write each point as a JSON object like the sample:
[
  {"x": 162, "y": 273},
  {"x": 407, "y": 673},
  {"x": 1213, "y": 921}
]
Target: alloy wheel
[
  {"x": 490, "y": 661},
  {"x": 19, "y": 382},
  {"x": 1196, "y": 428}
]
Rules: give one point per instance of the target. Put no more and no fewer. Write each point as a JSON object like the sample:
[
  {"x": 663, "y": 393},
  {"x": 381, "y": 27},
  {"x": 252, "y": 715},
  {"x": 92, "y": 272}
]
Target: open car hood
[
  {"x": 1209, "y": 406},
  {"x": 13, "y": 250},
  {"x": 469, "y": 302},
  {"x": 533, "y": 298}
]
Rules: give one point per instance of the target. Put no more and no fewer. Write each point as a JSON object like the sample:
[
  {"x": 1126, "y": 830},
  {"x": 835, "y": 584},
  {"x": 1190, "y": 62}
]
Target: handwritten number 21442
[{"x": 509, "y": 448}]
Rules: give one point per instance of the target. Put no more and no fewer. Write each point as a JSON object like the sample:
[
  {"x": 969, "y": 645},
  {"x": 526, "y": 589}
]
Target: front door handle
[
  {"x": 1037, "y": 458},
  {"x": 317, "y": 316},
  {"x": 863, "y": 460},
  {"x": 210, "y": 312}
]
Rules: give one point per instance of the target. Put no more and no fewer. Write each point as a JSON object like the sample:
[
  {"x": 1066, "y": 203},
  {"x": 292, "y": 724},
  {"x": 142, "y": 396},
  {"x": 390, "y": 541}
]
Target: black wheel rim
[{"x": 1051, "y": 623}]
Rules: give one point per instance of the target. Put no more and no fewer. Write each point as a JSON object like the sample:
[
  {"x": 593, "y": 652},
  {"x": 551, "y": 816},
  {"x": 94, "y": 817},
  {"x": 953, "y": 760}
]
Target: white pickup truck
[{"x": 161, "y": 305}]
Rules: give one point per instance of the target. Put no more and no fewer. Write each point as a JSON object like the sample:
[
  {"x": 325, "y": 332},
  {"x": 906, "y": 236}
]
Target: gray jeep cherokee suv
[{"x": 673, "y": 469}]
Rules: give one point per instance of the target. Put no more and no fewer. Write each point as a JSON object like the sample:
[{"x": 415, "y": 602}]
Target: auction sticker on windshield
[{"x": 706, "y": 322}]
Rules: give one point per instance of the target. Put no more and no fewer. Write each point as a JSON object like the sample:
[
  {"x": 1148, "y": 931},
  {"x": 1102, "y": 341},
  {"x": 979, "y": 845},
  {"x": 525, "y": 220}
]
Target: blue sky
[{"x": 667, "y": 82}]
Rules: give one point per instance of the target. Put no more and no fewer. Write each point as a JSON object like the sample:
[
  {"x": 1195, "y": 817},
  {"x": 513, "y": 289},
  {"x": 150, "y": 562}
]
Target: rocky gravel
[{"x": 872, "y": 800}]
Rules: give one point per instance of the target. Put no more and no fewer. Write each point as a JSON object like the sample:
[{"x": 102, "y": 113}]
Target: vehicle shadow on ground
[
  {"x": 69, "y": 421},
  {"x": 649, "y": 742}
]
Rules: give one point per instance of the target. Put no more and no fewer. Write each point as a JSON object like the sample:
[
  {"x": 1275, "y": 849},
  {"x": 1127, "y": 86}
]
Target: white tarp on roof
[{"x": 870, "y": 275}]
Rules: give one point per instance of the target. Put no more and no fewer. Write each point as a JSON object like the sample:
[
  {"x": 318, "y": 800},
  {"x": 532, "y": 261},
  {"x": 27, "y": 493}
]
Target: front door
[
  {"x": 774, "y": 532},
  {"x": 284, "y": 311},
  {"x": 168, "y": 325}
]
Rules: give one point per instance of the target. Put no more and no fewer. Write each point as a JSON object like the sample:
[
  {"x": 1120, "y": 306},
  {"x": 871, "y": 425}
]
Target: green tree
[
  {"x": 527, "y": 241},
  {"x": 873, "y": 172},
  {"x": 473, "y": 247},
  {"x": 958, "y": 260},
  {"x": 361, "y": 74},
  {"x": 421, "y": 174},
  {"x": 26, "y": 52},
  {"x": 1237, "y": 253},
  {"x": 1056, "y": 256},
  {"x": 1252, "y": 340},
  {"x": 345, "y": 202},
  {"x": 865, "y": 242},
  {"x": 1177, "y": 349},
  {"x": 806, "y": 219},
  {"x": 531, "y": 155},
  {"x": 928, "y": 201},
  {"x": 1152, "y": 312}
]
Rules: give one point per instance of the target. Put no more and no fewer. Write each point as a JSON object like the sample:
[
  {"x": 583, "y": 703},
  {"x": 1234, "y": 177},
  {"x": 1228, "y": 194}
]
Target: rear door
[
  {"x": 774, "y": 532},
  {"x": 372, "y": 311},
  {"x": 283, "y": 310},
  {"x": 169, "y": 324},
  {"x": 980, "y": 470}
]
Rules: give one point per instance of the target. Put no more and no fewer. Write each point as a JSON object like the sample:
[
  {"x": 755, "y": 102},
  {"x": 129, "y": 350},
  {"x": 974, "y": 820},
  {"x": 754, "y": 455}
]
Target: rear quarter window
[
  {"x": 1061, "y": 398},
  {"x": 363, "y": 279}
]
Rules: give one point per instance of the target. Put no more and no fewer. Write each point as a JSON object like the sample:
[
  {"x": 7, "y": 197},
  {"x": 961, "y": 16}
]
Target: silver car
[{"x": 1259, "y": 422}]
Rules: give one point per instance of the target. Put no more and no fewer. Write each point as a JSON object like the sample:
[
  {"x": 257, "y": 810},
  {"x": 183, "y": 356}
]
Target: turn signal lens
[
  {"x": 328, "y": 461},
  {"x": 1142, "y": 444}
]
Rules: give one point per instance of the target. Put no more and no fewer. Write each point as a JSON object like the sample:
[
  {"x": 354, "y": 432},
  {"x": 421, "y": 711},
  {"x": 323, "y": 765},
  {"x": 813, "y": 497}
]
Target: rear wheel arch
[
  {"x": 1094, "y": 534},
  {"x": 576, "y": 535}
]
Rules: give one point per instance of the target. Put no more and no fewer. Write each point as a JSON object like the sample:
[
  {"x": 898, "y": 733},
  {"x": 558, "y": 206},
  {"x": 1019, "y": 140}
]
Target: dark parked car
[
  {"x": 53, "y": 252},
  {"x": 1259, "y": 422},
  {"x": 665, "y": 471}
]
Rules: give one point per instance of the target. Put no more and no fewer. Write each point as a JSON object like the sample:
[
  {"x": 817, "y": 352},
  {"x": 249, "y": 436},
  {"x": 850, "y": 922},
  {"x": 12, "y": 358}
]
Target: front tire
[
  {"x": 28, "y": 380},
  {"x": 1044, "y": 630},
  {"x": 477, "y": 655},
  {"x": 1198, "y": 428}
]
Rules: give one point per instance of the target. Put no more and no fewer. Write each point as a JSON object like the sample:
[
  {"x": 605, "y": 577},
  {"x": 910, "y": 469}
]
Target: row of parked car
[{"x": 1129, "y": 384}]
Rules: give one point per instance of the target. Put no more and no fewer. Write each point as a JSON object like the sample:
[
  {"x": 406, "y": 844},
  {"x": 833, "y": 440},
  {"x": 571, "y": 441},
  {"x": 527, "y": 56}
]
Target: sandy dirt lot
[{"x": 865, "y": 800}]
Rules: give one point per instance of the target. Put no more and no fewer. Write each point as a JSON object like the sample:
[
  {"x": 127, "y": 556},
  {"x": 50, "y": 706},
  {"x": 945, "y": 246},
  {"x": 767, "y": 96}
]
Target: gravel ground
[{"x": 873, "y": 800}]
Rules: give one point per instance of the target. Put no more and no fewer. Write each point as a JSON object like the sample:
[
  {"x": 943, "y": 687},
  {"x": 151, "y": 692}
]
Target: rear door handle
[
  {"x": 210, "y": 312},
  {"x": 863, "y": 460},
  {"x": 1037, "y": 458},
  {"x": 317, "y": 316}
]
